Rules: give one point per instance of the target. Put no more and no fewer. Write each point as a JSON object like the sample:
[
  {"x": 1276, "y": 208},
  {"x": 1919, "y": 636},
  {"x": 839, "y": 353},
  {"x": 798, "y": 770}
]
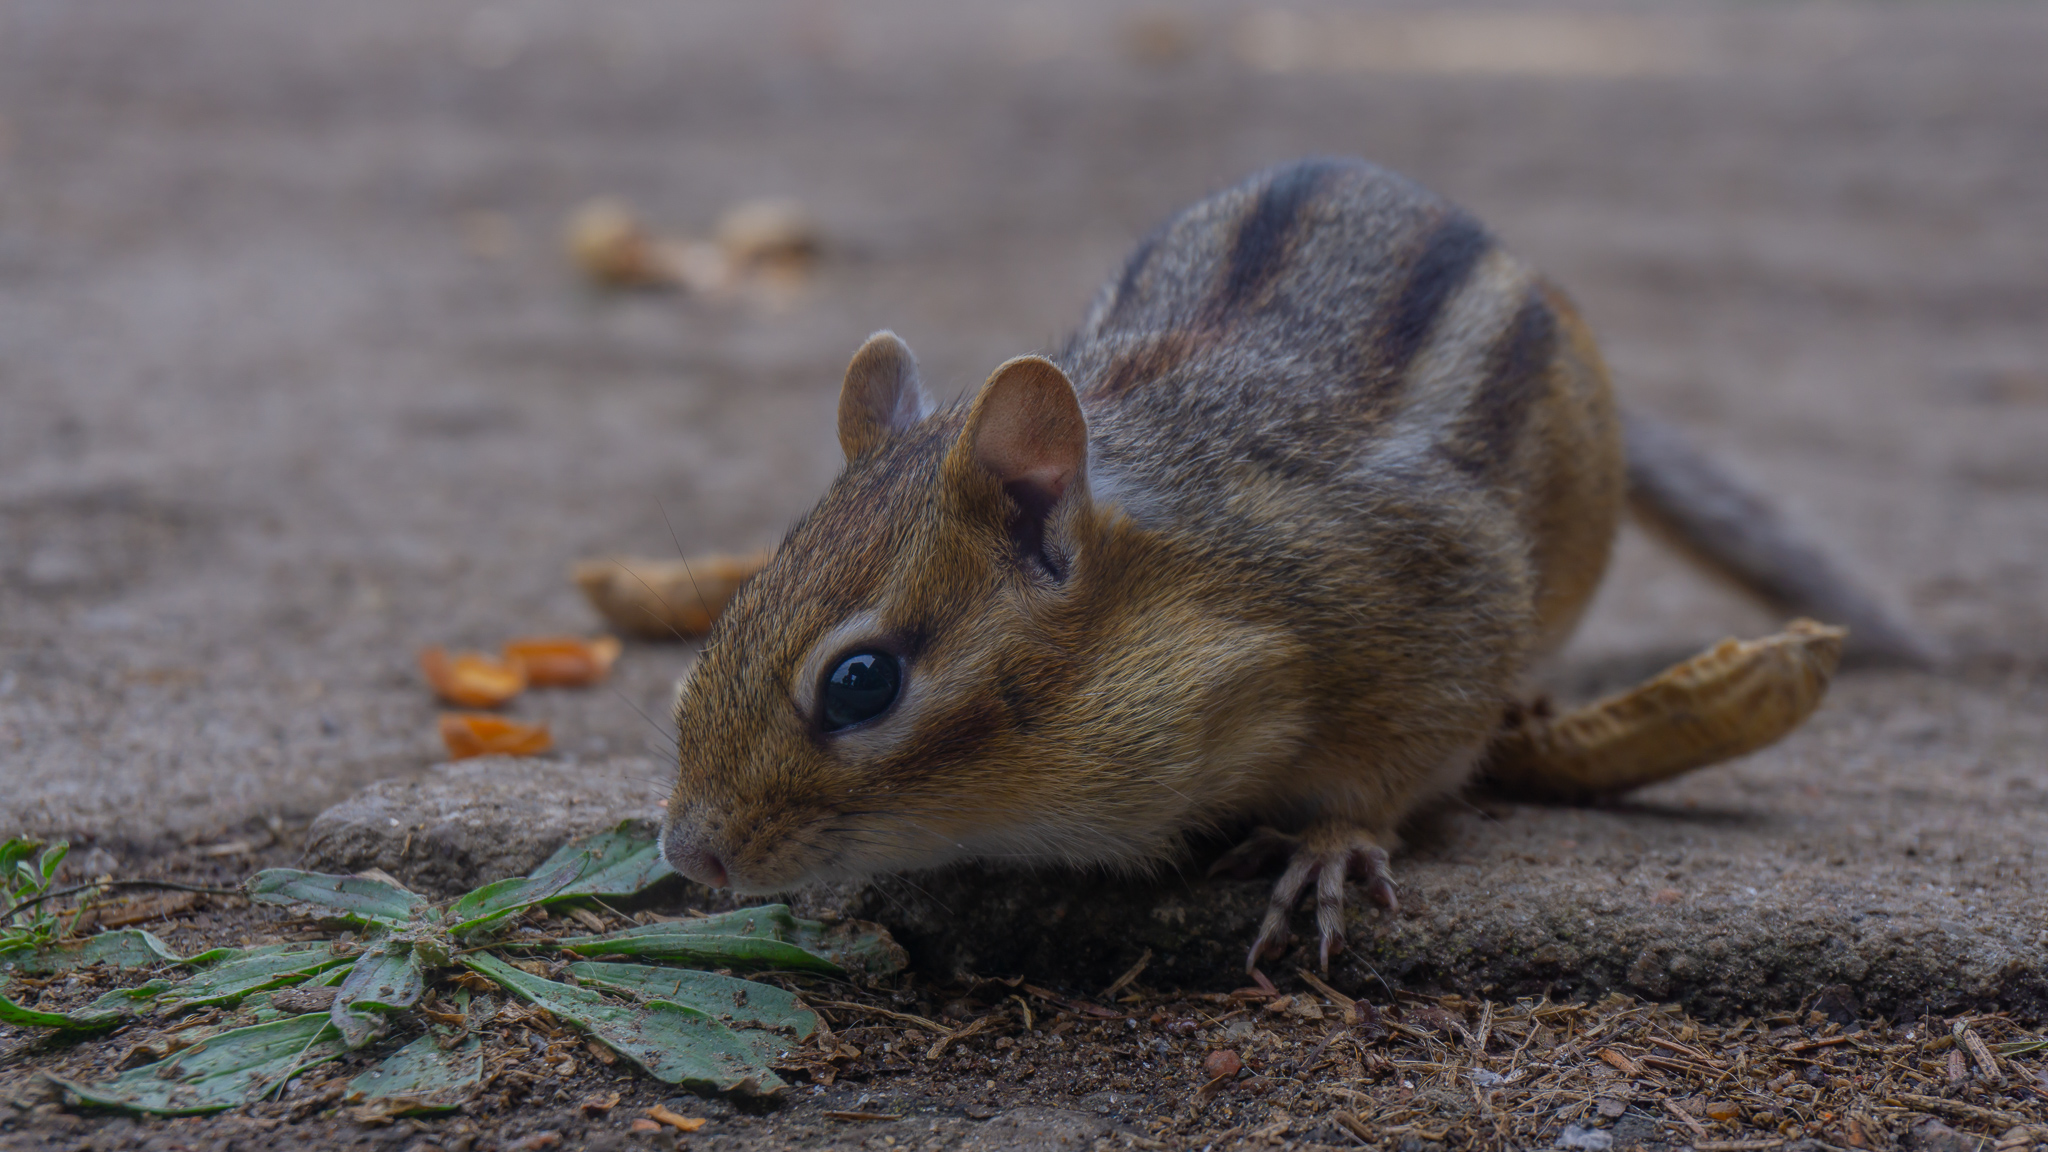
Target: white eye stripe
[{"x": 857, "y": 629}]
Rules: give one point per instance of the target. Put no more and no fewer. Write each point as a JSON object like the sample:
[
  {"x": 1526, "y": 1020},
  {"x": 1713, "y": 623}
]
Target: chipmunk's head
[{"x": 886, "y": 693}]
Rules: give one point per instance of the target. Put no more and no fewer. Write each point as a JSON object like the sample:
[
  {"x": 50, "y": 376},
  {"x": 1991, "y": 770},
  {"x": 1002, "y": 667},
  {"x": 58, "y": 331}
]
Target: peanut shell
[{"x": 1730, "y": 700}]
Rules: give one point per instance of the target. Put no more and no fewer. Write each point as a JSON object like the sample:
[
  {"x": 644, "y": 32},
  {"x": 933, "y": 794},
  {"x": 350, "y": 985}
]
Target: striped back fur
[{"x": 1348, "y": 466}]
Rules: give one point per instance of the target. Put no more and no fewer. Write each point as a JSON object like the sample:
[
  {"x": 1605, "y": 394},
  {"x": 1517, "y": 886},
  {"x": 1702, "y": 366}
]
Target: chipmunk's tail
[{"x": 1720, "y": 524}]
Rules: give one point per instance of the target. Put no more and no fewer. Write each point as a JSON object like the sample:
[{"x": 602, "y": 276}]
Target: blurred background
[{"x": 295, "y": 375}]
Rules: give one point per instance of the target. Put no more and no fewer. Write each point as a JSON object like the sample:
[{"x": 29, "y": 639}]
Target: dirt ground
[{"x": 293, "y": 377}]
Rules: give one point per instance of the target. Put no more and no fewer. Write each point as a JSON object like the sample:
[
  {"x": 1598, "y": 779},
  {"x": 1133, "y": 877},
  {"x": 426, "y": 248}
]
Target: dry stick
[
  {"x": 1987, "y": 1064},
  {"x": 1620, "y": 1062},
  {"x": 163, "y": 884},
  {"x": 938, "y": 1048},
  {"x": 1687, "y": 1051},
  {"x": 1699, "y": 1130},
  {"x": 902, "y": 1017},
  {"x": 1078, "y": 1007},
  {"x": 1349, "y": 1005},
  {"x": 1958, "y": 1109},
  {"x": 1130, "y": 974}
]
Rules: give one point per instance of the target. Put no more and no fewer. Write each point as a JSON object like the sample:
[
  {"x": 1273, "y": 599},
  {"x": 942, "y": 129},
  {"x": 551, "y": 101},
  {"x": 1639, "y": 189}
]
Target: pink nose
[{"x": 696, "y": 863}]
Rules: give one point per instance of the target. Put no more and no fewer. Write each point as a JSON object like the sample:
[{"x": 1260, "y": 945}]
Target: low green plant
[
  {"x": 28, "y": 869},
  {"x": 642, "y": 991}
]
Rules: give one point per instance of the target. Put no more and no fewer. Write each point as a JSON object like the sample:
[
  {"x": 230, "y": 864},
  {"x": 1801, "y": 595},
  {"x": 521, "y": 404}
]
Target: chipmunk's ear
[
  {"x": 881, "y": 394},
  {"x": 1026, "y": 430}
]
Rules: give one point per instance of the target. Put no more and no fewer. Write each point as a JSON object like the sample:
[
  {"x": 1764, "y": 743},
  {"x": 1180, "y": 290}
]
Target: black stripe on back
[
  {"x": 1454, "y": 247},
  {"x": 1260, "y": 250},
  {"x": 1516, "y": 371}
]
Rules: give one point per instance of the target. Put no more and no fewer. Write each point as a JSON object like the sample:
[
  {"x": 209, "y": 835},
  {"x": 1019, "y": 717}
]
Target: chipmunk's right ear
[{"x": 881, "y": 395}]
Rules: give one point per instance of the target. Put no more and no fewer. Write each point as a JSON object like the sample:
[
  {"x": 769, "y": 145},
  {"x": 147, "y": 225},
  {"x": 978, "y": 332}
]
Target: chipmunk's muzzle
[{"x": 687, "y": 848}]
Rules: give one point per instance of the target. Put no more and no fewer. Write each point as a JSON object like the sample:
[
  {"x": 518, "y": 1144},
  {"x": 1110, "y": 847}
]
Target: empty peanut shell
[
  {"x": 1730, "y": 700},
  {"x": 664, "y": 598}
]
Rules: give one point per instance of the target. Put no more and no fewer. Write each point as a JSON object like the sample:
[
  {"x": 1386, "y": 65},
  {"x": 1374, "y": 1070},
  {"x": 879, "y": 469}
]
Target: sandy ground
[{"x": 293, "y": 378}]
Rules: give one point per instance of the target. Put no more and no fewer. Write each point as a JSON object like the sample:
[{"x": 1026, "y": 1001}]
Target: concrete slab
[{"x": 293, "y": 380}]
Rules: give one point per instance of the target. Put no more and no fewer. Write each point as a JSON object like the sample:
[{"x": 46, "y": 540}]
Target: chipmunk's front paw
[{"x": 1327, "y": 854}]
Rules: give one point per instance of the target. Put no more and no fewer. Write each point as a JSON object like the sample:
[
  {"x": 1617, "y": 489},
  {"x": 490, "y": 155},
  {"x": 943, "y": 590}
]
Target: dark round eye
[{"x": 861, "y": 688}]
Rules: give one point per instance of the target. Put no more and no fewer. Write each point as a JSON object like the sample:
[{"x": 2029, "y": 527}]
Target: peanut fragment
[
  {"x": 766, "y": 247},
  {"x": 611, "y": 247},
  {"x": 471, "y": 679},
  {"x": 1726, "y": 702},
  {"x": 562, "y": 661},
  {"x": 676, "y": 1120},
  {"x": 664, "y": 598},
  {"x": 480, "y": 734}
]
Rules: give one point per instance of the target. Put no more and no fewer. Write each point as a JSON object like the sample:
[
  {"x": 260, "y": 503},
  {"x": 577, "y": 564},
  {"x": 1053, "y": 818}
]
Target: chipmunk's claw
[{"x": 1328, "y": 856}]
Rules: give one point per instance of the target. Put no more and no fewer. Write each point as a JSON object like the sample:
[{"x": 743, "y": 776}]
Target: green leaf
[
  {"x": 52, "y": 859},
  {"x": 108, "y": 1010},
  {"x": 388, "y": 979},
  {"x": 13, "y": 1013},
  {"x": 767, "y": 936},
  {"x": 662, "y": 942},
  {"x": 221, "y": 1071},
  {"x": 851, "y": 944},
  {"x": 15, "y": 850},
  {"x": 492, "y": 904},
  {"x": 354, "y": 898},
  {"x": 242, "y": 971},
  {"x": 672, "y": 1042},
  {"x": 129, "y": 948},
  {"x": 740, "y": 1003},
  {"x": 616, "y": 863},
  {"x": 422, "y": 1077}
]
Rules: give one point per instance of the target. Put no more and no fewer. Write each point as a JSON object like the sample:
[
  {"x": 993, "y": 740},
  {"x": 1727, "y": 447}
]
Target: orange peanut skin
[{"x": 1349, "y": 467}]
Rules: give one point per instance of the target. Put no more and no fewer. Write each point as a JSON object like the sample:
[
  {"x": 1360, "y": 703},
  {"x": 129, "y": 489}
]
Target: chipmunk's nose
[{"x": 694, "y": 861}]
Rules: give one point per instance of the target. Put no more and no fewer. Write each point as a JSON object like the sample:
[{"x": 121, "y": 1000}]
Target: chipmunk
[{"x": 1274, "y": 539}]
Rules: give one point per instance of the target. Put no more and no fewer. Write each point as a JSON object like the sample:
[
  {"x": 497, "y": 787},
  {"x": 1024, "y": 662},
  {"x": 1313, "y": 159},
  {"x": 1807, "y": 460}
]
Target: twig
[
  {"x": 1620, "y": 1062},
  {"x": 1959, "y": 1109},
  {"x": 1687, "y": 1051},
  {"x": 1079, "y": 1006},
  {"x": 938, "y": 1047},
  {"x": 165, "y": 885},
  {"x": 1987, "y": 1064},
  {"x": 1698, "y": 1129},
  {"x": 1349, "y": 1005},
  {"x": 903, "y": 1017},
  {"x": 1130, "y": 974}
]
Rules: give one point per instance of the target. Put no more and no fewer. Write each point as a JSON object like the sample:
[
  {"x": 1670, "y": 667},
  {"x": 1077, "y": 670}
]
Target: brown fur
[
  {"x": 1273, "y": 538},
  {"x": 1234, "y": 610}
]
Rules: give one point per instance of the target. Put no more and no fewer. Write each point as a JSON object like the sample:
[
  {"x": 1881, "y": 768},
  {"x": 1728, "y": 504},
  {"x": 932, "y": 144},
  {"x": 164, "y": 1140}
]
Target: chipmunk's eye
[{"x": 861, "y": 688}]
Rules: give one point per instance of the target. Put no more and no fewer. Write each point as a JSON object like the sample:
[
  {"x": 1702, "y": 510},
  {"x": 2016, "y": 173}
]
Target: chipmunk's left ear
[{"x": 1026, "y": 431}]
